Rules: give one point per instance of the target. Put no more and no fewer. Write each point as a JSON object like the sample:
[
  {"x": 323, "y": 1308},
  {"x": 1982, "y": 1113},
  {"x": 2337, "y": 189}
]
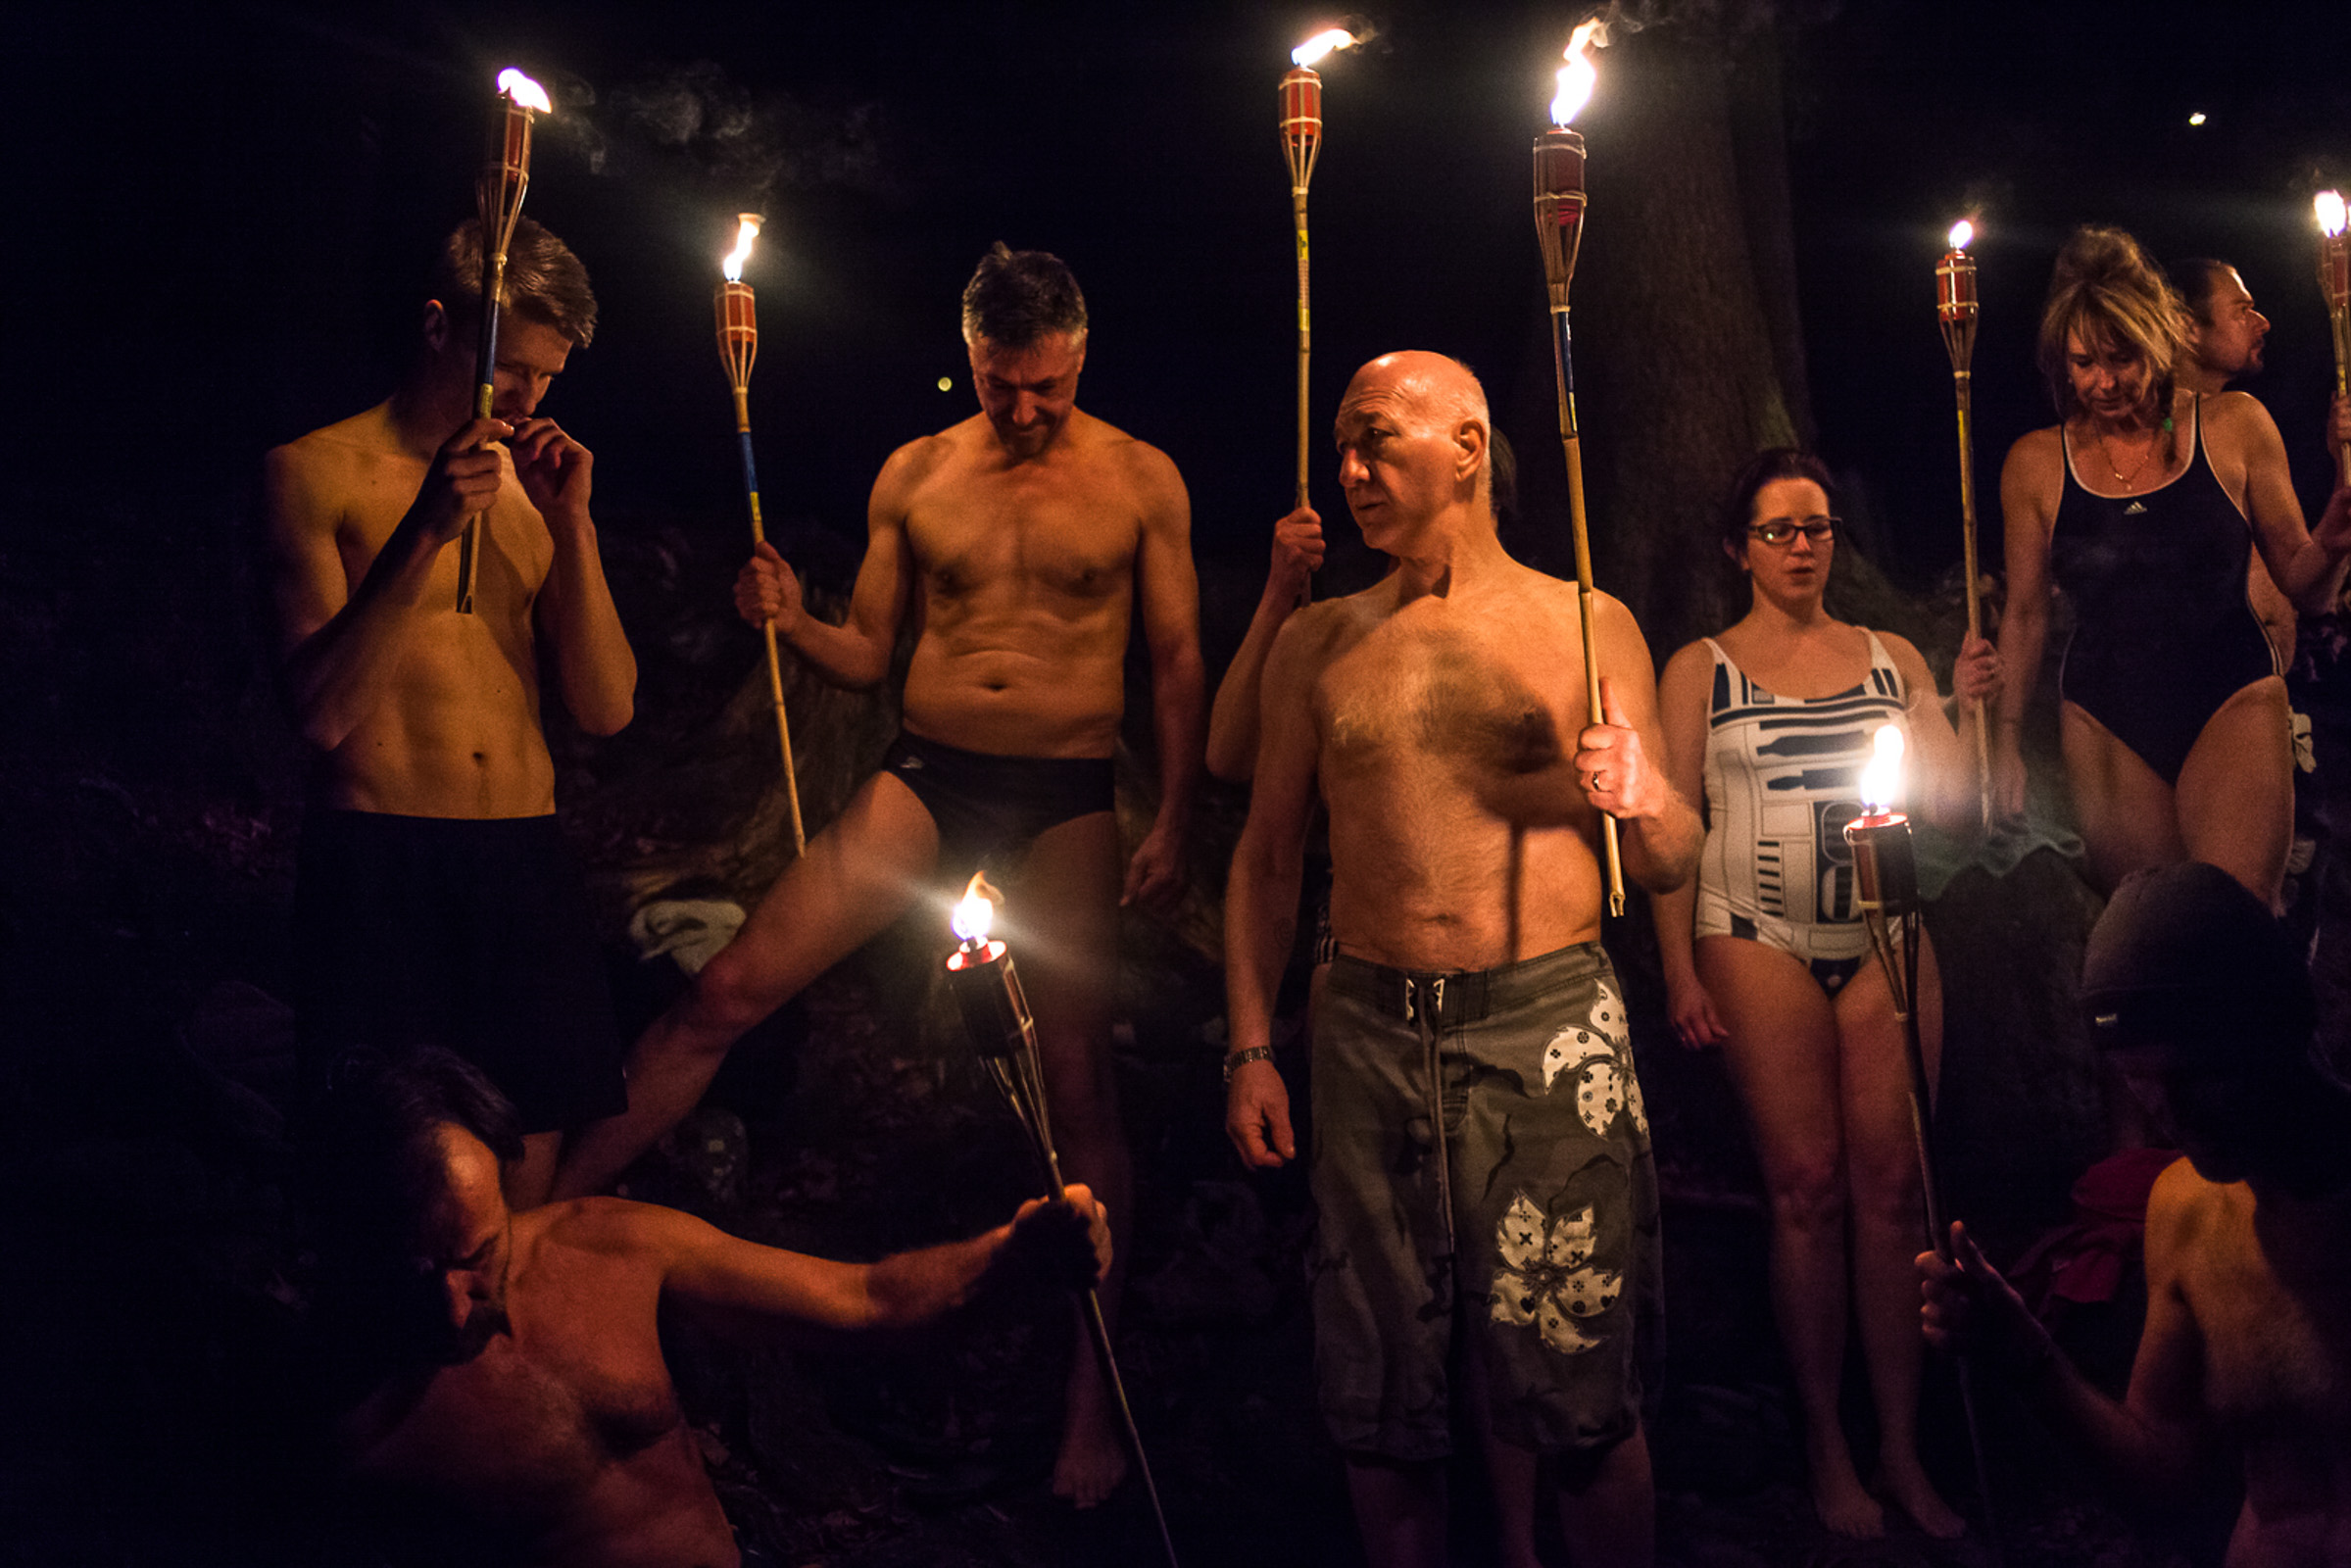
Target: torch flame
[
  {"x": 747, "y": 230},
  {"x": 1321, "y": 44},
  {"x": 2330, "y": 207},
  {"x": 977, "y": 911},
  {"x": 1881, "y": 779},
  {"x": 1578, "y": 77},
  {"x": 1963, "y": 234},
  {"x": 513, "y": 85}
]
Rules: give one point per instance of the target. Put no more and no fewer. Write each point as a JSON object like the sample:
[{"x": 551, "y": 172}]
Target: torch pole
[
  {"x": 1301, "y": 143},
  {"x": 1886, "y": 888},
  {"x": 1956, "y": 309},
  {"x": 2334, "y": 283},
  {"x": 738, "y": 347},
  {"x": 1559, "y": 203},
  {"x": 996, "y": 1016},
  {"x": 497, "y": 203}
]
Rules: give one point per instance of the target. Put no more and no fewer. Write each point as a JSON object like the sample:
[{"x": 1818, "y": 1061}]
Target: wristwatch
[{"x": 1242, "y": 1058}]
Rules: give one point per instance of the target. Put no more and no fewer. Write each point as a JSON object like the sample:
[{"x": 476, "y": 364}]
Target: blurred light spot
[
  {"x": 946, "y": 385},
  {"x": 2196, "y": 119}
]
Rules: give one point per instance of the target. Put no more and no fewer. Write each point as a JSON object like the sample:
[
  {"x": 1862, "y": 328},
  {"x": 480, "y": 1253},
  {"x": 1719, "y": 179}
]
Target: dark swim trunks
[
  {"x": 469, "y": 934},
  {"x": 990, "y": 807},
  {"x": 1535, "y": 1213}
]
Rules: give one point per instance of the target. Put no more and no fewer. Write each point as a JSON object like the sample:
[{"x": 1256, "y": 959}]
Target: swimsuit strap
[{"x": 1880, "y": 659}]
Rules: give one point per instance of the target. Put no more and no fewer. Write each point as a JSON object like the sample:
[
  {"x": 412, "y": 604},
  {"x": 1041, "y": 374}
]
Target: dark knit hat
[{"x": 2186, "y": 956}]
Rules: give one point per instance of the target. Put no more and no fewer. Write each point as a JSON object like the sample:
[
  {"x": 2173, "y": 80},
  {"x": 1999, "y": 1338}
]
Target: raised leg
[
  {"x": 1781, "y": 1053},
  {"x": 1889, "y": 1217},
  {"x": 1062, "y": 915},
  {"x": 857, "y": 876}
]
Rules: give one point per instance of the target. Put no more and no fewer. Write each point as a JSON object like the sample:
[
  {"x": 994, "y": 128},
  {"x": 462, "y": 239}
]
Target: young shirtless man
[
  {"x": 1442, "y": 716},
  {"x": 2202, "y": 1001},
  {"x": 1025, "y": 541},
  {"x": 495, "y": 1381},
  {"x": 434, "y": 899}
]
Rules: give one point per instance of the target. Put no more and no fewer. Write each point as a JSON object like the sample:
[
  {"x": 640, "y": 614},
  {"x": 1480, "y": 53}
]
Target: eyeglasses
[{"x": 1779, "y": 533}]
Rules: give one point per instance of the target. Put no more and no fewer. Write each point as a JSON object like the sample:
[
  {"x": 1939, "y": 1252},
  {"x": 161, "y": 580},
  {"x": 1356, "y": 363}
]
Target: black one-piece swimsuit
[{"x": 2163, "y": 632}]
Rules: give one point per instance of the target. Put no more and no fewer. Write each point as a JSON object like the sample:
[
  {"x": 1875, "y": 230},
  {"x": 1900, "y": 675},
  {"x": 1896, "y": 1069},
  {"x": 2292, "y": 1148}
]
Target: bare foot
[
  {"x": 1843, "y": 1504},
  {"x": 1093, "y": 1458},
  {"x": 1918, "y": 1500}
]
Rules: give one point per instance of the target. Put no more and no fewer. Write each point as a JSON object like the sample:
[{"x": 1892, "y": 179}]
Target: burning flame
[
  {"x": 1963, "y": 234},
  {"x": 747, "y": 230},
  {"x": 2329, "y": 205},
  {"x": 513, "y": 85},
  {"x": 1321, "y": 44},
  {"x": 977, "y": 911},
  {"x": 1881, "y": 779},
  {"x": 1578, "y": 77}
]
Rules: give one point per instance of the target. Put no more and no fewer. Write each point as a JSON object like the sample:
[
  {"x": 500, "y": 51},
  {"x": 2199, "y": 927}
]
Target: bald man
[{"x": 1442, "y": 716}]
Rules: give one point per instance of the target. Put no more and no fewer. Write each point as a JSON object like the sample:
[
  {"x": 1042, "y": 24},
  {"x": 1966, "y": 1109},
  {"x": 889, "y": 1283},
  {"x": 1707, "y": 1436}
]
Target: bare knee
[
  {"x": 727, "y": 1002},
  {"x": 1886, "y": 1190},
  {"x": 1808, "y": 1195}
]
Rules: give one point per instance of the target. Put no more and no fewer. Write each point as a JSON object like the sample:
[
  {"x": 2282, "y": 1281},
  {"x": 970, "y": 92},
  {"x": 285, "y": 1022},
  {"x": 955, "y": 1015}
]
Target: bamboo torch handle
[
  {"x": 1305, "y": 335},
  {"x": 1563, "y": 361},
  {"x": 775, "y": 665},
  {"x": 2340, "y": 318},
  {"x": 1979, "y": 723}
]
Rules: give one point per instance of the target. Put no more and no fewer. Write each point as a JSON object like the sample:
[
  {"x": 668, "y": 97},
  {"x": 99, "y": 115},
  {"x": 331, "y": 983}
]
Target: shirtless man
[
  {"x": 2224, "y": 337},
  {"x": 1442, "y": 716},
  {"x": 435, "y": 900},
  {"x": 495, "y": 1384},
  {"x": 1023, "y": 540},
  {"x": 2201, "y": 1000}
]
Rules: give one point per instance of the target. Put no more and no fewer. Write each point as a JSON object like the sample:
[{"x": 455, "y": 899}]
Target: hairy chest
[{"x": 1490, "y": 705}]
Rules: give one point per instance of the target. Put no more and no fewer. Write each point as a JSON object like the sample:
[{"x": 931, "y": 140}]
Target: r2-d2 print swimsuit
[{"x": 1783, "y": 780}]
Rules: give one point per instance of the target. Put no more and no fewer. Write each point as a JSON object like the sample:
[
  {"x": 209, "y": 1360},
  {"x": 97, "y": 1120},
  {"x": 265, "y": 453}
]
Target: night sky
[{"x": 224, "y": 212}]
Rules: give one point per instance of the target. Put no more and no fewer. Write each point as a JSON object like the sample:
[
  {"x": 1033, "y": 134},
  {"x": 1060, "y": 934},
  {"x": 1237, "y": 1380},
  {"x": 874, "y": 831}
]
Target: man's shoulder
[
  {"x": 1134, "y": 459},
  {"x": 609, "y": 1227},
  {"x": 2183, "y": 1207}
]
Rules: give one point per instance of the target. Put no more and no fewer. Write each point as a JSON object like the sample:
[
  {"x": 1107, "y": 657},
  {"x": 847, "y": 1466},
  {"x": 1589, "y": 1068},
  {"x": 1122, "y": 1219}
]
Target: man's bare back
[{"x": 2249, "y": 1315}]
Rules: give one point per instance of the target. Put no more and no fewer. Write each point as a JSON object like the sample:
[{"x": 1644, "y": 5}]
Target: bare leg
[
  {"x": 1608, "y": 1506},
  {"x": 1781, "y": 1053},
  {"x": 2128, "y": 818},
  {"x": 527, "y": 1181},
  {"x": 2236, "y": 790},
  {"x": 1889, "y": 1217},
  {"x": 1063, "y": 912},
  {"x": 857, "y": 876},
  {"x": 1400, "y": 1512}
]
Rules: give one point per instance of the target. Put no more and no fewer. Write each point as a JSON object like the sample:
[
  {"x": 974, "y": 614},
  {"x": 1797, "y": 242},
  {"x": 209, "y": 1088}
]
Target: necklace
[{"x": 2127, "y": 480}]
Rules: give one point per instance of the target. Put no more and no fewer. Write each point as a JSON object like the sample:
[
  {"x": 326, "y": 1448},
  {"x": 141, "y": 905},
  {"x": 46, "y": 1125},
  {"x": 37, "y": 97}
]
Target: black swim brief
[
  {"x": 469, "y": 934},
  {"x": 990, "y": 807}
]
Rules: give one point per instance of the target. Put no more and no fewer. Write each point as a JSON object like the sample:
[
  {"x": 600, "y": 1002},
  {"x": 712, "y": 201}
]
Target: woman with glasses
[
  {"x": 1767, "y": 956},
  {"x": 2144, "y": 503}
]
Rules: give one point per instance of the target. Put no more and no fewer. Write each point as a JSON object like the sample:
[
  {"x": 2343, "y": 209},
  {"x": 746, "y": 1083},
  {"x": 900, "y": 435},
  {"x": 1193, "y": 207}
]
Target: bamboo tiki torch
[
  {"x": 1955, "y": 308},
  {"x": 2334, "y": 282},
  {"x": 1302, "y": 141},
  {"x": 738, "y": 347},
  {"x": 497, "y": 202},
  {"x": 1560, "y": 228},
  {"x": 1886, "y": 888},
  {"x": 1002, "y": 1031}
]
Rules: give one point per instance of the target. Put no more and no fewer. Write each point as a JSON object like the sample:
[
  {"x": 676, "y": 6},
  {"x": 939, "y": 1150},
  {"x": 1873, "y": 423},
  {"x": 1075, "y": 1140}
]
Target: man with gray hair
[
  {"x": 1480, "y": 1148},
  {"x": 1023, "y": 540}
]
